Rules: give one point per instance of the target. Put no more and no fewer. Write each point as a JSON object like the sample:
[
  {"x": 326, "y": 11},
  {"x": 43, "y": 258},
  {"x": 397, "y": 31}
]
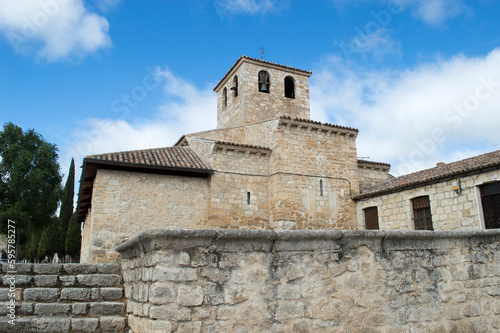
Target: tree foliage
[
  {"x": 30, "y": 183},
  {"x": 67, "y": 208},
  {"x": 73, "y": 238}
]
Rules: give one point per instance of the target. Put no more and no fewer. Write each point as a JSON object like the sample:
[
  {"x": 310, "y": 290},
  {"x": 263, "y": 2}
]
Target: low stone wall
[
  {"x": 62, "y": 298},
  {"x": 312, "y": 281}
]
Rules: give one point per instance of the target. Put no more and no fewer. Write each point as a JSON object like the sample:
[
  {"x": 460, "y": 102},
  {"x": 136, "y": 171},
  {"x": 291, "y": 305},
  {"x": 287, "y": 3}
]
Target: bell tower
[{"x": 254, "y": 90}]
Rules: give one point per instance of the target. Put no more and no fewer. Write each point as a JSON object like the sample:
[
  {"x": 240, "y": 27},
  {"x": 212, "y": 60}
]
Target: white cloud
[
  {"x": 445, "y": 110},
  {"x": 379, "y": 44},
  {"x": 436, "y": 12},
  {"x": 53, "y": 29},
  {"x": 432, "y": 12},
  {"x": 106, "y": 5},
  {"x": 186, "y": 109},
  {"x": 253, "y": 7}
]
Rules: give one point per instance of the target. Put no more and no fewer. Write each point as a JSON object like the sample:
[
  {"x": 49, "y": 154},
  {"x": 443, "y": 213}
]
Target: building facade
[{"x": 267, "y": 165}]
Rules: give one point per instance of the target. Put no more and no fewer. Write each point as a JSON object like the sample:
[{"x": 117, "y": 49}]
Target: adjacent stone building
[{"x": 267, "y": 165}]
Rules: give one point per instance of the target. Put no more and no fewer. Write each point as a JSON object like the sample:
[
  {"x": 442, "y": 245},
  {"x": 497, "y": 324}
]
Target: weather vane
[{"x": 262, "y": 52}]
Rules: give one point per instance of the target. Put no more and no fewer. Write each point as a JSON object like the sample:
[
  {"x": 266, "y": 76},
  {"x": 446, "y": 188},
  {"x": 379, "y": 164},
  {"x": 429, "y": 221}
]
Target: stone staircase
[{"x": 62, "y": 298}]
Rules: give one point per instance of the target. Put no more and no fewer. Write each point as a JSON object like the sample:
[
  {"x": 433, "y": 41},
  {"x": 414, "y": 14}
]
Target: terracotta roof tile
[
  {"x": 318, "y": 123},
  {"x": 376, "y": 164},
  {"x": 243, "y": 145},
  {"x": 169, "y": 157},
  {"x": 433, "y": 174}
]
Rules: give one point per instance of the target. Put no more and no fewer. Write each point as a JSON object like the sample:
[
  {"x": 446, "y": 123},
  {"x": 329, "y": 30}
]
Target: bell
[{"x": 263, "y": 87}]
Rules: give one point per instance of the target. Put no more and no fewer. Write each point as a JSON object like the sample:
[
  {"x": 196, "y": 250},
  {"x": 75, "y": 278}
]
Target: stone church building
[{"x": 267, "y": 165}]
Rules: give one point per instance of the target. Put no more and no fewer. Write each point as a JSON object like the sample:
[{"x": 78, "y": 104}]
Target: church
[{"x": 267, "y": 165}]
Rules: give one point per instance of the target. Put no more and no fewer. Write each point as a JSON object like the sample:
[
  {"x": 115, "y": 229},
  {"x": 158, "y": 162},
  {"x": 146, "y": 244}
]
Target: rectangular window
[
  {"x": 490, "y": 200},
  {"x": 422, "y": 213},
  {"x": 371, "y": 218}
]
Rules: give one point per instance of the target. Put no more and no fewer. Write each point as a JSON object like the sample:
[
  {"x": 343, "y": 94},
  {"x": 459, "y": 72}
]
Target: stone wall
[
  {"x": 122, "y": 200},
  {"x": 62, "y": 298},
  {"x": 312, "y": 281},
  {"x": 450, "y": 210}
]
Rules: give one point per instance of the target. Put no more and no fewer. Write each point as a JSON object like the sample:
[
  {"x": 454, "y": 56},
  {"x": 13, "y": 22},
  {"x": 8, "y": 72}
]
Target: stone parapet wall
[
  {"x": 312, "y": 281},
  {"x": 62, "y": 298}
]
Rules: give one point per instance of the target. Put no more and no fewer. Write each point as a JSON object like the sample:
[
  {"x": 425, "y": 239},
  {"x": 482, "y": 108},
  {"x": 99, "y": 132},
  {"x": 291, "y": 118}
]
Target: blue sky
[{"x": 419, "y": 79}]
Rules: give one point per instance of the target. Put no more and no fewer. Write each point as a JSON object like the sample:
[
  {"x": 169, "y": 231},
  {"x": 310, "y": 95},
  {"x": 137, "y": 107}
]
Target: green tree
[
  {"x": 73, "y": 238},
  {"x": 49, "y": 241},
  {"x": 67, "y": 208},
  {"x": 30, "y": 183}
]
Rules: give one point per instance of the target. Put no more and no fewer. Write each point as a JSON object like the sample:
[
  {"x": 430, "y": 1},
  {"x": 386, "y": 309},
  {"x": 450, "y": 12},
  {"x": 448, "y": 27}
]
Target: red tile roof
[
  {"x": 375, "y": 164},
  {"x": 431, "y": 175},
  {"x": 169, "y": 157},
  {"x": 169, "y": 160},
  {"x": 242, "y": 145}
]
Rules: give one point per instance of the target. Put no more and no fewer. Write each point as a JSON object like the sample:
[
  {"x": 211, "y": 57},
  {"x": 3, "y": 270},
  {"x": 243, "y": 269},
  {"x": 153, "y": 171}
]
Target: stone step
[{"x": 65, "y": 324}]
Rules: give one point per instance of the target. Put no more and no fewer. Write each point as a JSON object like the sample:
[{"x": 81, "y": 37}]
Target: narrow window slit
[
  {"x": 248, "y": 198},
  {"x": 321, "y": 187}
]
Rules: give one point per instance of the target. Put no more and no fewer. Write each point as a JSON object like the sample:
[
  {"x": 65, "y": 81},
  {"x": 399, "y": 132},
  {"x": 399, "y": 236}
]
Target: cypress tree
[
  {"x": 49, "y": 242},
  {"x": 67, "y": 208},
  {"x": 73, "y": 238}
]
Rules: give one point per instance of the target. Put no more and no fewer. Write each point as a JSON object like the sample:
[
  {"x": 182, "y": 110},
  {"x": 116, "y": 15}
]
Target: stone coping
[{"x": 294, "y": 240}]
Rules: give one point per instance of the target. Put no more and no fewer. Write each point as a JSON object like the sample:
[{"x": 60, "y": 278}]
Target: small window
[
  {"x": 321, "y": 187},
  {"x": 490, "y": 202},
  {"x": 371, "y": 218},
  {"x": 235, "y": 86},
  {"x": 225, "y": 96},
  {"x": 289, "y": 87},
  {"x": 422, "y": 213},
  {"x": 248, "y": 198},
  {"x": 264, "y": 82}
]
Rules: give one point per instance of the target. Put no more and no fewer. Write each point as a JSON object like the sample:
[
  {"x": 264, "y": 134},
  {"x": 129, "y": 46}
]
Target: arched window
[
  {"x": 264, "y": 81},
  {"x": 235, "y": 86},
  {"x": 289, "y": 87},
  {"x": 224, "y": 92}
]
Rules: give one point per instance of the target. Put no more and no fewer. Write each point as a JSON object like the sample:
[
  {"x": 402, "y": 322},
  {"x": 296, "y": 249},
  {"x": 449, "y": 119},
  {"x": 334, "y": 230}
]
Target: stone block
[
  {"x": 175, "y": 274},
  {"x": 84, "y": 324},
  {"x": 41, "y": 294},
  {"x": 46, "y": 269},
  {"x": 109, "y": 268},
  {"x": 75, "y": 294},
  {"x": 20, "y": 325},
  {"x": 45, "y": 280},
  {"x": 17, "y": 280},
  {"x": 99, "y": 280},
  {"x": 26, "y": 309},
  {"x": 45, "y": 324},
  {"x": 4, "y": 294},
  {"x": 75, "y": 269},
  {"x": 19, "y": 268},
  {"x": 112, "y": 323},
  {"x": 161, "y": 293},
  {"x": 95, "y": 294},
  {"x": 161, "y": 326},
  {"x": 107, "y": 309},
  {"x": 192, "y": 327},
  {"x": 164, "y": 312},
  {"x": 111, "y": 294},
  {"x": 52, "y": 309},
  {"x": 190, "y": 296},
  {"x": 79, "y": 308},
  {"x": 67, "y": 281}
]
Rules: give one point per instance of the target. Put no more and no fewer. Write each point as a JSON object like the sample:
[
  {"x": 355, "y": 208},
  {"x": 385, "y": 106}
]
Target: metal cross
[{"x": 262, "y": 52}]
